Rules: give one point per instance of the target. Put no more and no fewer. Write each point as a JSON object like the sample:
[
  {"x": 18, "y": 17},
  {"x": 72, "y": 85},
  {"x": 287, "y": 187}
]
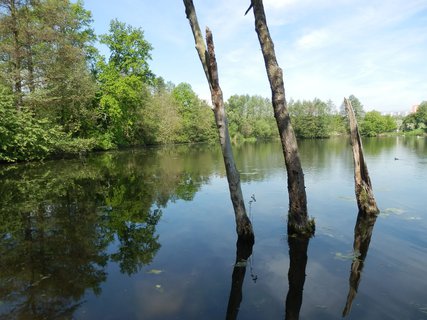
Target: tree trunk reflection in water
[
  {"x": 362, "y": 237},
  {"x": 244, "y": 251},
  {"x": 296, "y": 275}
]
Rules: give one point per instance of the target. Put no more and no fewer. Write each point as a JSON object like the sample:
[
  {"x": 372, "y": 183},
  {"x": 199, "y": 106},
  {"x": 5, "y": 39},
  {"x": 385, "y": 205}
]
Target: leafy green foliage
[
  {"x": 123, "y": 82},
  {"x": 374, "y": 123},
  {"x": 416, "y": 121},
  {"x": 129, "y": 51},
  {"x": 250, "y": 117},
  {"x": 311, "y": 119},
  {"x": 60, "y": 96},
  {"x": 359, "y": 112},
  {"x": 22, "y": 137},
  {"x": 197, "y": 118}
]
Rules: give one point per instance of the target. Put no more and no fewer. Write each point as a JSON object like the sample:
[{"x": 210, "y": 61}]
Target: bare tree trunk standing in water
[
  {"x": 208, "y": 60},
  {"x": 368, "y": 209},
  {"x": 363, "y": 188},
  {"x": 298, "y": 221}
]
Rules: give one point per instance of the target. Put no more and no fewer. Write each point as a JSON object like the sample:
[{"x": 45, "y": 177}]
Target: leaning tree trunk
[
  {"x": 363, "y": 187},
  {"x": 298, "y": 221},
  {"x": 208, "y": 60}
]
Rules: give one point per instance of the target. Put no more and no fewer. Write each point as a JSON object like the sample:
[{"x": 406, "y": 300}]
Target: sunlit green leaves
[{"x": 374, "y": 123}]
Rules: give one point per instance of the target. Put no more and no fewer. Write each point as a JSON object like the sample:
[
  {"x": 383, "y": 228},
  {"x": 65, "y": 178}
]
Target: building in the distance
[{"x": 414, "y": 108}]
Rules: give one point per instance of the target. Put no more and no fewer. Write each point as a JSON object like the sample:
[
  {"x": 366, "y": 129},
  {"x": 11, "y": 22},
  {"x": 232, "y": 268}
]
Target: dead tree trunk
[
  {"x": 363, "y": 188},
  {"x": 298, "y": 221},
  {"x": 208, "y": 60}
]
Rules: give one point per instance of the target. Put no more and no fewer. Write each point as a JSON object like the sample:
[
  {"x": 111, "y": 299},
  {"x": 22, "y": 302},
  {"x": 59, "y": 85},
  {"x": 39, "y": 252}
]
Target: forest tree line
[{"x": 59, "y": 95}]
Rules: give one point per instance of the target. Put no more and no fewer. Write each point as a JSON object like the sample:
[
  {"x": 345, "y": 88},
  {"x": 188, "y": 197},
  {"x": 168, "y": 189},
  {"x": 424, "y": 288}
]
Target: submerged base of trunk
[
  {"x": 301, "y": 226},
  {"x": 244, "y": 231}
]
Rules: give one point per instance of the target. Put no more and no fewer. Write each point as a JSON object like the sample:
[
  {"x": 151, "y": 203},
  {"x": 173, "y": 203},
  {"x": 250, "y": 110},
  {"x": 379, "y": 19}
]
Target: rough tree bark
[
  {"x": 208, "y": 60},
  {"x": 298, "y": 221},
  {"x": 363, "y": 187}
]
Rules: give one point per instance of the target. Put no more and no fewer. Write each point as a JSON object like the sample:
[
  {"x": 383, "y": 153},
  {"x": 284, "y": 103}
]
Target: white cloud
[
  {"x": 316, "y": 38},
  {"x": 328, "y": 49}
]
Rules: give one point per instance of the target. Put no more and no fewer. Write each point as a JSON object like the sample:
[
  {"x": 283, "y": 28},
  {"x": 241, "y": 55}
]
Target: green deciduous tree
[
  {"x": 123, "y": 83},
  {"x": 196, "y": 116},
  {"x": 161, "y": 121},
  {"x": 45, "y": 49},
  {"x": 23, "y": 137},
  {"x": 374, "y": 123},
  {"x": 357, "y": 108},
  {"x": 311, "y": 119},
  {"x": 417, "y": 120},
  {"x": 250, "y": 117}
]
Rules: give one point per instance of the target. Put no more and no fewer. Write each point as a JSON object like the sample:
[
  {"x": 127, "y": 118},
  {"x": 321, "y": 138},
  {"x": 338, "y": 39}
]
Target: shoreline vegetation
[{"x": 59, "y": 97}]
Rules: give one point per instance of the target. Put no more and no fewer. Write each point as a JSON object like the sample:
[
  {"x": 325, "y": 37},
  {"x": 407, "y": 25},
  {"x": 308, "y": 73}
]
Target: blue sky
[{"x": 376, "y": 49}]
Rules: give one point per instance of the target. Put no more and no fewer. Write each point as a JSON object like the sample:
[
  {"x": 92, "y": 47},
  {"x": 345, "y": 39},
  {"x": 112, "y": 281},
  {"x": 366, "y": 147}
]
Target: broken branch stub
[
  {"x": 363, "y": 187},
  {"x": 209, "y": 64}
]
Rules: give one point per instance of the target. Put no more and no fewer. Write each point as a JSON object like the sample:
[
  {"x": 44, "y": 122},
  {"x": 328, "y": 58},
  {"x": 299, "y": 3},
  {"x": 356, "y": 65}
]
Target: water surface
[{"x": 150, "y": 234}]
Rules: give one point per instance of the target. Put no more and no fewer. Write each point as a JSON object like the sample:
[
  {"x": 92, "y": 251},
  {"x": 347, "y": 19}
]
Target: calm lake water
[{"x": 150, "y": 234}]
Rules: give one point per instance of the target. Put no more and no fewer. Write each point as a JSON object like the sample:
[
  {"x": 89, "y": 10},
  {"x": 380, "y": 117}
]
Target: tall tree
[
  {"x": 250, "y": 117},
  {"x": 45, "y": 48},
  {"x": 298, "y": 221},
  {"x": 66, "y": 83},
  {"x": 374, "y": 123},
  {"x": 197, "y": 124},
  {"x": 11, "y": 47},
  {"x": 123, "y": 82},
  {"x": 417, "y": 120},
  {"x": 311, "y": 119}
]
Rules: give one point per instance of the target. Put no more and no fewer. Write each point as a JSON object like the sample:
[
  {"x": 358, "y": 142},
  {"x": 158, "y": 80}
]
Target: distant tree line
[{"x": 59, "y": 95}]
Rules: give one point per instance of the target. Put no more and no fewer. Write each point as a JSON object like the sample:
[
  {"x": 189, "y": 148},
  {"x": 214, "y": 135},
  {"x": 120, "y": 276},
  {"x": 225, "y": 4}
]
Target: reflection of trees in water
[
  {"x": 296, "y": 275},
  {"x": 320, "y": 156},
  {"x": 51, "y": 253},
  {"x": 415, "y": 144},
  {"x": 257, "y": 161},
  {"x": 58, "y": 219},
  {"x": 243, "y": 252},
  {"x": 298, "y": 247},
  {"x": 378, "y": 145},
  {"x": 362, "y": 238}
]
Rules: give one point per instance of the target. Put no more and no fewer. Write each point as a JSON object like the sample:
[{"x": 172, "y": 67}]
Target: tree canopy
[
  {"x": 417, "y": 120},
  {"x": 59, "y": 95}
]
